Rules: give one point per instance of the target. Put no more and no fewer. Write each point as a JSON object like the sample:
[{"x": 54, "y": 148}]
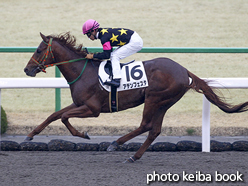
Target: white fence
[{"x": 227, "y": 83}]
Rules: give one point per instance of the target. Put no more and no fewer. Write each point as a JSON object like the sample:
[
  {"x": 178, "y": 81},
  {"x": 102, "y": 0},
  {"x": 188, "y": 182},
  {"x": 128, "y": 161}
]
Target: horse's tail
[{"x": 202, "y": 87}]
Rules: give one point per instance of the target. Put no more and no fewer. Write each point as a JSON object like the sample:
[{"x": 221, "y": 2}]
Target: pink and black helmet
[{"x": 90, "y": 25}]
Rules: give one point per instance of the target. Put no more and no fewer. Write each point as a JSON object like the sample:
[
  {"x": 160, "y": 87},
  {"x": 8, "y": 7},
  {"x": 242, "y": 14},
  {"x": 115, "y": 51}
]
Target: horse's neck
[{"x": 70, "y": 71}]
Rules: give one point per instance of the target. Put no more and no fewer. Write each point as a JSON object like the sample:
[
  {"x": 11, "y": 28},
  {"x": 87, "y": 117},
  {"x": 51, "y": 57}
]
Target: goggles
[{"x": 89, "y": 33}]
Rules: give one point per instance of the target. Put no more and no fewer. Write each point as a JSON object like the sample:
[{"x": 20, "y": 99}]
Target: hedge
[{"x": 4, "y": 122}]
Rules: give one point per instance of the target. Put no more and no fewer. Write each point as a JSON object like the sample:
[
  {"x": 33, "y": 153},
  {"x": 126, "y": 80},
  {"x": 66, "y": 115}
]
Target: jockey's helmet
[{"x": 90, "y": 25}]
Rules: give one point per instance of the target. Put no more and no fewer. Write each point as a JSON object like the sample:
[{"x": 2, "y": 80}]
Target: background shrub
[{"x": 4, "y": 122}]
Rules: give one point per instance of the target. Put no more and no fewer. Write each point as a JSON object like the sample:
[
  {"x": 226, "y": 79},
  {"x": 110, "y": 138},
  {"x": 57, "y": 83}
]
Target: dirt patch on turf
[{"x": 122, "y": 123}]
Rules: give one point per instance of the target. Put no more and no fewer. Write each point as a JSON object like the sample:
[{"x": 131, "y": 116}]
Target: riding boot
[{"x": 113, "y": 82}]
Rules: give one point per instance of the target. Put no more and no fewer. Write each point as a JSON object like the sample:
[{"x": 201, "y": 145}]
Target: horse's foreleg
[
  {"x": 53, "y": 117},
  {"x": 79, "y": 112}
]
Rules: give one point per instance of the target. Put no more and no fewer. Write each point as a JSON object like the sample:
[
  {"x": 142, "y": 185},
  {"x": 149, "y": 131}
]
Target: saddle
[{"x": 133, "y": 76}]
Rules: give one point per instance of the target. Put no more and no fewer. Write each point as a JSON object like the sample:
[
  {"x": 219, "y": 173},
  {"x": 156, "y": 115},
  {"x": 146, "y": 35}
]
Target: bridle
[{"x": 41, "y": 64}]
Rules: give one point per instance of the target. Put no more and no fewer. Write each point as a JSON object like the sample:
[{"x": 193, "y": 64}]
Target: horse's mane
[{"x": 69, "y": 41}]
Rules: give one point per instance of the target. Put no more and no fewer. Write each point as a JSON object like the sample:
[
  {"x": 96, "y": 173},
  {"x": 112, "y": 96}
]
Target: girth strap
[{"x": 113, "y": 99}]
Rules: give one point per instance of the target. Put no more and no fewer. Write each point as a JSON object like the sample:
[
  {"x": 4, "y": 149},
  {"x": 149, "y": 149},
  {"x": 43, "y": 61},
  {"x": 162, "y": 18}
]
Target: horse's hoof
[
  {"x": 27, "y": 139},
  {"x": 130, "y": 160},
  {"x": 112, "y": 147},
  {"x": 86, "y": 136}
]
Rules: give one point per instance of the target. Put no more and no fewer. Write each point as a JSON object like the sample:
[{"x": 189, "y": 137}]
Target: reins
[
  {"x": 49, "y": 50},
  {"x": 79, "y": 74}
]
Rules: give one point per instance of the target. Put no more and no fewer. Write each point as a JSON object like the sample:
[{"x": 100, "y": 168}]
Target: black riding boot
[{"x": 113, "y": 82}]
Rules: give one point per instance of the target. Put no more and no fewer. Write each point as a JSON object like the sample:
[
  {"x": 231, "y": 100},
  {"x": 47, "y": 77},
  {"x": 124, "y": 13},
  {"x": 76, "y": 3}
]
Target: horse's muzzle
[{"x": 31, "y": 72}]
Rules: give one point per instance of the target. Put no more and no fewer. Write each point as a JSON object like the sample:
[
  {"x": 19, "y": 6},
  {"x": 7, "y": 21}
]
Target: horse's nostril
[{"x": 25, "y": 70}]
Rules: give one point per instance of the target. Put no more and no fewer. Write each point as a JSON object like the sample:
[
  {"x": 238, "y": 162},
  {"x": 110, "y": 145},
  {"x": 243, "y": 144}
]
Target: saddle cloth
[{"x": 133, "y": 75}]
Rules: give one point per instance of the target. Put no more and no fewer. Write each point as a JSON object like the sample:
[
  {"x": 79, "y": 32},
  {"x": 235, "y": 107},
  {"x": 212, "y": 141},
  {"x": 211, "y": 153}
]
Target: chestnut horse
[{"x": 168, "y": 82}]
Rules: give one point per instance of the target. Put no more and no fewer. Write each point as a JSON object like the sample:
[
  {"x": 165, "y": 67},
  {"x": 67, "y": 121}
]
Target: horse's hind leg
[
  {"x": 145, "y": 126},
  {"x": 154, "y": 111},
  {"x": 153, "y": 134},
  {"x": 53, "y": 117},
  {"x": 151, "y": 111}
]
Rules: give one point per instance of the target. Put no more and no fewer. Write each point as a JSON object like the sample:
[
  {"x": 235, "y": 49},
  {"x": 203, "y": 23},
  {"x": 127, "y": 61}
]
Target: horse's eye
[{"x": 38, "y": 51}]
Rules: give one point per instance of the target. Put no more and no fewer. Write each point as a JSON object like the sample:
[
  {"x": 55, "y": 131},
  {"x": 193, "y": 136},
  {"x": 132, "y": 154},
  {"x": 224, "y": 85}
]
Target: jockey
[{"x": 128, "y": 42}]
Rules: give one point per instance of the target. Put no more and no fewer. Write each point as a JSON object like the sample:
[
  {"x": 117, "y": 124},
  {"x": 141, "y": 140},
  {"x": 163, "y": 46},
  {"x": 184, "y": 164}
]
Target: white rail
[
  {"x": 224, "y": 83},
  {"x": 8, "y": 83}
]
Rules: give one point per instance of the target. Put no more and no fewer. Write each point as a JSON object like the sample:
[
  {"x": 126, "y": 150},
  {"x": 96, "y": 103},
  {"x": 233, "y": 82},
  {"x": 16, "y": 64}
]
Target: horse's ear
[{"x": 44, "y": 38}]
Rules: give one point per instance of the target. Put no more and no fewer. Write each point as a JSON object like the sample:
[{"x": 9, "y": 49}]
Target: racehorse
[{"x": 168, "y": 82}]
